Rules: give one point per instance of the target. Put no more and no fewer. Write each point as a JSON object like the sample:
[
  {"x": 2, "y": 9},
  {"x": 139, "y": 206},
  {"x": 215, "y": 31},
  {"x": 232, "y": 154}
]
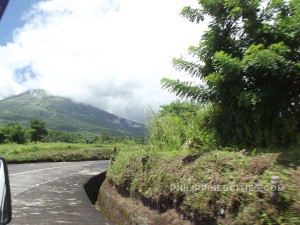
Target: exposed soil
[{"x": 126, "y": 210}]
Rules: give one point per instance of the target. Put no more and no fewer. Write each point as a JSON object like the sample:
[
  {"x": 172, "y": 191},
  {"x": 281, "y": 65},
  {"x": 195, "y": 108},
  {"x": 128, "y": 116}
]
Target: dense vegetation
[
  {"x": 180, "y": 126},
  {"x": 241, "y": 126},
  {"x": 248, "y": 62}
]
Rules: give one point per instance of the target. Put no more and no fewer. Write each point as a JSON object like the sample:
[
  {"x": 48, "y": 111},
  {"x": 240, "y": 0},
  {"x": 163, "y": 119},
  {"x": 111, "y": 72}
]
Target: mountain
[{"x": 63, "y": 114}]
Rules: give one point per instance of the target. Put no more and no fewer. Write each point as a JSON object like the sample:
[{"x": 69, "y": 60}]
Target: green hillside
[{"x": 63, "y": 114}]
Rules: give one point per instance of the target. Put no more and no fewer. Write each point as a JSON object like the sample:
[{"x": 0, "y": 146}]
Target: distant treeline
[
  {"x": 18, "y": 133},
  {"x": 104, "y": 137}
]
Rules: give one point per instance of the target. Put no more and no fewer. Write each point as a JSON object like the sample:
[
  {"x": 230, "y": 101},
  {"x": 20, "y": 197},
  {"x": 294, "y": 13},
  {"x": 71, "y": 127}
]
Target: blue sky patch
[{"x": 24, "y": 74}]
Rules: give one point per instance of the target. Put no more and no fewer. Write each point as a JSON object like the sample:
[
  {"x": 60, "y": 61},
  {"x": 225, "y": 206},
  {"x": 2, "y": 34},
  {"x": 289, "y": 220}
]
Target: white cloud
[{"x": 108, "y": 53}]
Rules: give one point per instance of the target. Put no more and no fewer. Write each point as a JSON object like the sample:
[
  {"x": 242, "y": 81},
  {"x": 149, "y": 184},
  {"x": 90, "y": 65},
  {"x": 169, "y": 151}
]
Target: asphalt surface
[{"x": 53, "y": 193}]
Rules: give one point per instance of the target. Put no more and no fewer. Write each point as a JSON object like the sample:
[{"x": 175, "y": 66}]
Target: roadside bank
[
  {"x": 212, "y": 187},
  {"x": 122, "y": 209}
]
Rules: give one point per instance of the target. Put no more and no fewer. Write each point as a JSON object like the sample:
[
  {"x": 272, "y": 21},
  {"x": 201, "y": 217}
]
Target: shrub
[{"x": 182, "y": 125}]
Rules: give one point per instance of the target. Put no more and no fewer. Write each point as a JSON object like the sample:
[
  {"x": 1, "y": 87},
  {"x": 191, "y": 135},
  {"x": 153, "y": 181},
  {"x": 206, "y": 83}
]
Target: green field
[{"x": 48, "y": 152}]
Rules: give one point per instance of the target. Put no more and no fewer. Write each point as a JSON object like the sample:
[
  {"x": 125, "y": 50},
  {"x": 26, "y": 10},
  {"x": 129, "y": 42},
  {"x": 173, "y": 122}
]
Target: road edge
[{"x": 125, "y": 210}]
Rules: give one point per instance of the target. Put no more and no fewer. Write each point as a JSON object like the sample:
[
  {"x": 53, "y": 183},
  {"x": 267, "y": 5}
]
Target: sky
[{"x": 110, "y": 54}]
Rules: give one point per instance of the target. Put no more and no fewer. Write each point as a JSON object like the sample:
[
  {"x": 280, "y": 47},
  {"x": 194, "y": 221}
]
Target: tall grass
[{"x": 187, "y": 128}]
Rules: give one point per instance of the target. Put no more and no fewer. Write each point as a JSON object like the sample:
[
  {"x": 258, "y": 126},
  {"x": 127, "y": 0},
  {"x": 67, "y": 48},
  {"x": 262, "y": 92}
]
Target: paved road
[{"x": 53, "y": 193}]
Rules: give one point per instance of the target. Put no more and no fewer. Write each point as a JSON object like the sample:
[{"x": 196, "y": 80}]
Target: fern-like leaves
[{"x": 185, "y": 89}]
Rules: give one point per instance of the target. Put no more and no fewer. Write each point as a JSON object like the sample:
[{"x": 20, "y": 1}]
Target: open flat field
[{"x": 41, "y": 152}]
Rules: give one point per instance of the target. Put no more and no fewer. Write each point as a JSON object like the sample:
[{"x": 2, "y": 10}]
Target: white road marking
[
  {"x": 45, "y": 182},
  {"x": 31, "y": 171}
]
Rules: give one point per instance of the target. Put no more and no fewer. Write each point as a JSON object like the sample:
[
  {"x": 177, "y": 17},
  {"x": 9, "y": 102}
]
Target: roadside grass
[
  {"x": 216, "y": 186},
  {"x": 48, "y": 152}
]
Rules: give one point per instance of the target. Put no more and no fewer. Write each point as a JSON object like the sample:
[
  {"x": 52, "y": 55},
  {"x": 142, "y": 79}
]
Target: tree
[
  {"x": 248, "y": 61},
  {"x": 105, "y": 135},
  {"x": 18, "y": 134},
  {"x": 38, "y": 130},
  {"x": 13, "y": 133}
]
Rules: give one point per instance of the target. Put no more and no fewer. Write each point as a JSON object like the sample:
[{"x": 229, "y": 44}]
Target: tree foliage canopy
[
  {"x": 249, "y": 63},
  {"x": 12, "y": 133},
  {"x": 38, "y": 130}
]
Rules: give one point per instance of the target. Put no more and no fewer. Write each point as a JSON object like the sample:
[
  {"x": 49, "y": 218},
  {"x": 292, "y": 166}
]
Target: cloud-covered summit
[{"x": 107, "y": 53}]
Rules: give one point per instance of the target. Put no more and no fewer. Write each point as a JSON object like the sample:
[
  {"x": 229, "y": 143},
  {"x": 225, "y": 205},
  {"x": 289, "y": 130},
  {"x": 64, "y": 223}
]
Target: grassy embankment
[
  {"x": 182, "y": 168},
  {"x": 213, "y": 187},
  {"x": 41, "y": 152}
]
